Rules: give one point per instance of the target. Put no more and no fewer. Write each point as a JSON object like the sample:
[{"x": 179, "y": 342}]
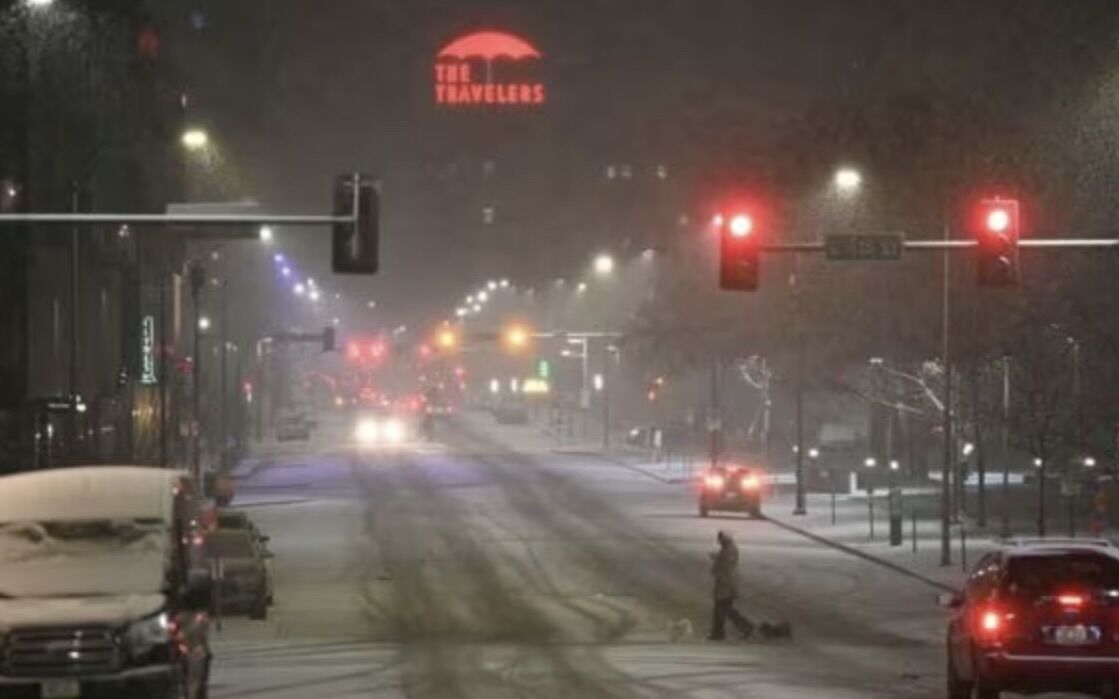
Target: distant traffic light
[
  {"x": 739, "y": 251},
  {"x": 356, "y": 244},
  {"x": 997, "y": 230}
]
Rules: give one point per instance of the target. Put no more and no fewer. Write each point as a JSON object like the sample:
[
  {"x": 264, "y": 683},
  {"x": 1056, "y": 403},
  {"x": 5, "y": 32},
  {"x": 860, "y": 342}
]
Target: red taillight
[
  {"x": 751, "y": 482},
  {"x": 990, "y": 622},
  {"x": 714, "y": 481}
]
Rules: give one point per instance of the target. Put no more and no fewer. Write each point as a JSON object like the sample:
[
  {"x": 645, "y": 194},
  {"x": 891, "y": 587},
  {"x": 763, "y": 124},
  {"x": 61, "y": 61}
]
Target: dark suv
[
  {"x": 731, "y": 488},
  {"x": 1037, "y": 616}
]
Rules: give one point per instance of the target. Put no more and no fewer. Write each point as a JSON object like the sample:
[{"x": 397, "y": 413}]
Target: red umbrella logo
[
  {"x": 454, "y": 81},
  {"x": 489, "y": 46}
]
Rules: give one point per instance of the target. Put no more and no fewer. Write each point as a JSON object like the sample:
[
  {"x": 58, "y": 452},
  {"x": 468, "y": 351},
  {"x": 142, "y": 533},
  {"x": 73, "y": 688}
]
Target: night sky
[{"x": 348, "y": 83}]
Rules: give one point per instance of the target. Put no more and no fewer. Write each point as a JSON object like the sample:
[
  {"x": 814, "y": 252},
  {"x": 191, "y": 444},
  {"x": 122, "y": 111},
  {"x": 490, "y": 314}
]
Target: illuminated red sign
[{"x": 457, "y": 79}]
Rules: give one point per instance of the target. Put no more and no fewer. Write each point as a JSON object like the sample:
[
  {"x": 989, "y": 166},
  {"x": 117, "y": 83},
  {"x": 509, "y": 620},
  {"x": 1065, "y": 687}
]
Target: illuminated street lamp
[
  {"x": 204, "y": 323},
  {"x": 447, "y": 339},
  {"x": 604, "y": 265},
  {"x": 581, "y": 288},
  {"x": 504, "y": 284},
  {"x": 491, "y": 285},
  {"x": 483, "y": 296},
  {"x": 517, "y": 337},
  {"x": 848, "y": 180},
  {"x": 460, "y": 312},
  {"x": 266, "y": 234},
  {"x": 194, "y": 139},
  {"x": 39, "y": 3},
  {"x": 314, "y": 295},
  {"x": 286, "y": 271},
  {"x": 870, "y": 462},
  {"x": 299, "y": 289}
]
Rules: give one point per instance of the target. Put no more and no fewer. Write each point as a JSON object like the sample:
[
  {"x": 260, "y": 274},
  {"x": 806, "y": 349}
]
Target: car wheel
[{"x": 957, "y": 687}]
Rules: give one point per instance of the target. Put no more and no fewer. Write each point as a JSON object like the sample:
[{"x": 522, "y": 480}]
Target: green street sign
[
  {"x": 543, "y": 369},
  {"x": 887, "y": 246}
]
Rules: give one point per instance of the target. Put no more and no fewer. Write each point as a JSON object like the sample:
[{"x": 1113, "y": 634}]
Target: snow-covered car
[
  {"x": 100, "y": 590},
  {"x": 732, "y": 489},
  {"x": 244, "y": 567}
]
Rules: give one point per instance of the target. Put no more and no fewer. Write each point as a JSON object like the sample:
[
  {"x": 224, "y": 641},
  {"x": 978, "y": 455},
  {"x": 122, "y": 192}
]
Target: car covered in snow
[{"x": 102, "y": 592}]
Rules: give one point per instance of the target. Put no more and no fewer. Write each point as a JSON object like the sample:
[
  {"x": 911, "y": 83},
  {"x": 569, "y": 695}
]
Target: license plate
[
  {"x": 1078, "y": 635},
  {"x": 60, "y": 689}
]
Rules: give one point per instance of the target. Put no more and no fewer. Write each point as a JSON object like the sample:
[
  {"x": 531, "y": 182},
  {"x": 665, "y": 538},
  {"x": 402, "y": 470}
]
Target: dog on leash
[
  {"x": 775, "y": 631},
  {"x": 680, "y": 630}
]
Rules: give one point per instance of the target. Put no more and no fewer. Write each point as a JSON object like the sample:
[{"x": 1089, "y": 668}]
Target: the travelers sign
[{"x": 488, "y": 69}]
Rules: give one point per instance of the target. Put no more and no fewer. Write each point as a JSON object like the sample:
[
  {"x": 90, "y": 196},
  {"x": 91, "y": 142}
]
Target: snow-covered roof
[{"x": 89, "y": 493}]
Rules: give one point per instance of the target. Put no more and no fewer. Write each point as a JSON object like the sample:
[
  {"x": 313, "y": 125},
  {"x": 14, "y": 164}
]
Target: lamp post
[{"x": 197, "y": 280}]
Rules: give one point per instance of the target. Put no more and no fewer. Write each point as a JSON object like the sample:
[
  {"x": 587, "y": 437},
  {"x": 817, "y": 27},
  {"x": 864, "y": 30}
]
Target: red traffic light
[
  {"x": 996, "y": 228},
  {"x": 998, "y": 220},
  {"x": 739, "y": 251},
  {"x": 741, "y": 225}
]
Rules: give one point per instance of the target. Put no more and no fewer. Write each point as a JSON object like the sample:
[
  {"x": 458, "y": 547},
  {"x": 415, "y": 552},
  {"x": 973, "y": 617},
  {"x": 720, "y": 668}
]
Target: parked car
[
  {"x": 1037, "y": 616},
  {"x": 101, "y": 592},
  {"x": 244, "y": 571}
]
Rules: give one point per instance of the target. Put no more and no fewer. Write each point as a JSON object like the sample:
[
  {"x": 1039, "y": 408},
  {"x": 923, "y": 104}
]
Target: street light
[
  {"x": 314, "y": 295},
  {"x": 604, "y": 265},
  {"x": 39, "y": 3},
  {"x": 517, "y": 337},
  {"x": 504, "y": 283},
  {"x": 491, "y": 285},
  {"x": 848, "y": 180},
  {"x": 286, "y": 271},
  {"x": 266, "y": 234},
  {"x": 204, "y": 323},
  {"x": 193, "y": 139},
  {"x": 299, "y": 289},
  {"x": 870, "y": 462}
]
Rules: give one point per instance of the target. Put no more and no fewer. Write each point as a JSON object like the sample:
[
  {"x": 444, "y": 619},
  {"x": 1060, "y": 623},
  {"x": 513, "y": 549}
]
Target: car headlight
[
  {"x": 393, "y": 431},
  {"x": 148, "y": 633},
  {"x": 367, "y": 432}
]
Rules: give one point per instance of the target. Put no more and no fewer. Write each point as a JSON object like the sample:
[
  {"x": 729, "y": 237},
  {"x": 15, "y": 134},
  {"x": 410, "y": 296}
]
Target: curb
[{"x": 859, "y": 553}]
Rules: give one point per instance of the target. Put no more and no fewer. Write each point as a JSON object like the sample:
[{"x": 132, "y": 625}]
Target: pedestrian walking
[{"x": 724, "y": 572}]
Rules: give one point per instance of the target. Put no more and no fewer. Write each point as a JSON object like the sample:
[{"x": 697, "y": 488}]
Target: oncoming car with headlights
[
  {"x": 731, "y": 488},
  {"x": 101, "y": 591},
  {"x": 382, "y": 429}
]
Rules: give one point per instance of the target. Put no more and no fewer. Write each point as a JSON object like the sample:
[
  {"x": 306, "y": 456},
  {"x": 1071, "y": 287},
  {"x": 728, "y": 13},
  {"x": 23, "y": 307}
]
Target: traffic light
[
  {"x": 355, "y": 247},
  {"x": 329, "y": 339},
  {"x": 739, "y": 252},
  {"x": 997, "y": 229}
]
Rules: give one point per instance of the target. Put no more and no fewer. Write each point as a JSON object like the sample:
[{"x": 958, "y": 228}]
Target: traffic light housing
[
  {"x": 997, "y": 228},
  {"x": 739, "y": 251},
  {"x": 356, "y": 243}
]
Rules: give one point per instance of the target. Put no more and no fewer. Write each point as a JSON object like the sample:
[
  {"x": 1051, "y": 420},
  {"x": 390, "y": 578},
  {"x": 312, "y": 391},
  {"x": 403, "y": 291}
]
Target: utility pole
[
  {"x": 715, "y": 418},
  {"x": 1005, "y": 450},
  {"x": 223, "y": 428},
  {"x": 75, "y": 324},
  {"x": 197, "y": 280},
  {"x": 161, "y": 275},
  {"x": 801, "y": 506},
  {"x": 946, "y": 416}
]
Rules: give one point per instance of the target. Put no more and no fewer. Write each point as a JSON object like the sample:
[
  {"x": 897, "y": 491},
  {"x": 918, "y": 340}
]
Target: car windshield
[
  {"x": 65, "y": 558},
  {"x": 1050, "y": 575}
]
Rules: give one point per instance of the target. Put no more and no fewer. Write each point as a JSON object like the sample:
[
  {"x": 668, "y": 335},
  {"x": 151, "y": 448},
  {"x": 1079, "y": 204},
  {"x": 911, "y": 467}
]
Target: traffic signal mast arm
[{"x": 934, "y": 245}]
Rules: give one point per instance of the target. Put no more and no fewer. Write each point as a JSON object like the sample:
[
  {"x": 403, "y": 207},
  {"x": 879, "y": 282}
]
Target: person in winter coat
[{"x": 724, "y": 571}]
